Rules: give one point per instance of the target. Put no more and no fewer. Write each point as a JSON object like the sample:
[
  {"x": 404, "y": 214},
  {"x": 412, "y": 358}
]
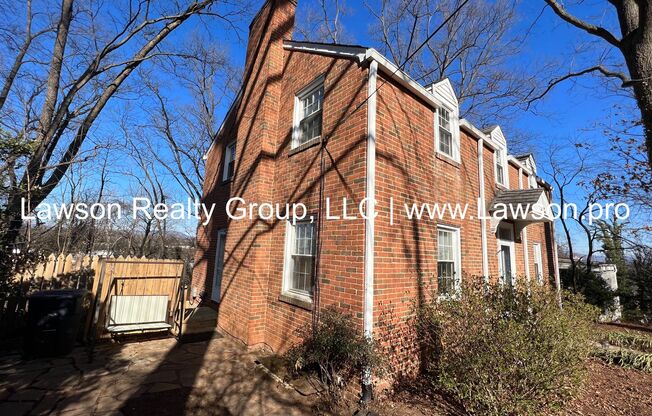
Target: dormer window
[
  {"x": 308, "y": 106},
  {"x": 446, "y": 133},
  {"x": 501, "y": 166}
]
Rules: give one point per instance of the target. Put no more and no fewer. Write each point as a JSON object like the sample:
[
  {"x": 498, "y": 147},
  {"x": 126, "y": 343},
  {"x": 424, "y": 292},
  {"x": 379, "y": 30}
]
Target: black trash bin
[{"x": 53, "y": 321}]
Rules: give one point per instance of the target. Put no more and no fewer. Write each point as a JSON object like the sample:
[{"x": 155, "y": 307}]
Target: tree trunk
[{"x": 639, "y": 63}]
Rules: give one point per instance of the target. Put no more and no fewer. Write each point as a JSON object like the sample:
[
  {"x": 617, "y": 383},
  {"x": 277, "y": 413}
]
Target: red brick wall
[
  {"x": 407, "y": 169},
  {"x": 265, "y": 172}
]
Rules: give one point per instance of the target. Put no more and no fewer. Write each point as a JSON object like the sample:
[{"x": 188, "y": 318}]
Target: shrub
[
  {"x": 626, "y": 358},
  {"x": 334, "y": 350},
  {"x": 500, "y": 350},
  {"x": 630, "y": 340}
]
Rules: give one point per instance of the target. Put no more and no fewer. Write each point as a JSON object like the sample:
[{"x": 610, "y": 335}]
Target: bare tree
[
  {"x": 323, "y": 21},
  {"x": 634, "y": 45},
  {"x": 96, "y": 48},
  {"x": 178, "y": 135},
  {"x": 566, "y": 173},
  {"x": 474, "y": 50}
]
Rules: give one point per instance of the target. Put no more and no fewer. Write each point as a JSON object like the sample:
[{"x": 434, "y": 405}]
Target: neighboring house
[{"x": 317, "y": 120}]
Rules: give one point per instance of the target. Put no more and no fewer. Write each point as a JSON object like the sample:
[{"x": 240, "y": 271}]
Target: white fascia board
[
  {"x": 402, "y": 78},
  {"x": 476, "y": 132},
  {"x": 343, "y": 51},
  {"x": 361, "y": 55}
]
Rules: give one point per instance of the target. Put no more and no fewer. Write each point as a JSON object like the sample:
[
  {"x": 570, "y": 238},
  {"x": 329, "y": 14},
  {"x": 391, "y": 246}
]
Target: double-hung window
[
  {"x": 299, "y": 258},
  {"x": 501, "y": 167},
  {"x": 448, "y": 260},
  {"x": 308, "y": 106},
  {"x": 447, "y": 141},
  {"x": 229, "y": 162}
]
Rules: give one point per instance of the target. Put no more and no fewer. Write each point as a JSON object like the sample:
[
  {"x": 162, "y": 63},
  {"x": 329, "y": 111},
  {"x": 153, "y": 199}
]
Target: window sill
[
  {"x": 294, "y": 300},
  {"x": 501, "y": 187},
  {"x": 310, "y": 143},
  {"x": 445, "y": 158},
  {"x": 226, "y": 181}
]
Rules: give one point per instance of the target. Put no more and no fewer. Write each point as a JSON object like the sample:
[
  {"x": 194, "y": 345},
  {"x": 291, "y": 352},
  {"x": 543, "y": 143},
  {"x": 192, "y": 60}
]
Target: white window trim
[
  {"x": 512, "y": 254},
  {"x": 296, "y": 116},
  {"x": 457, "y": 260},
  {"x": 286, "y": 288},
  {"x": 538, "y": 259},
  {"x": 455, "y": 133},
  {"x": 503, "y": 151},
  {"x": 225, "y": 168}
]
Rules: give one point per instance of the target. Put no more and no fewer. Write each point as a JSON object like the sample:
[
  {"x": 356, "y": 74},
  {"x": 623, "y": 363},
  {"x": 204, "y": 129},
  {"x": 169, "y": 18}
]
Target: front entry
[{"x": 219, "y": 266}]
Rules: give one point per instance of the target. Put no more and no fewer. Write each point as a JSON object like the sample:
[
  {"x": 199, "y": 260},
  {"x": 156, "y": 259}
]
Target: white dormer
[
  {"x": 528, "y": 162},
  {"x": 501, "y": 169},
  {"x": 446, "y": 120}
]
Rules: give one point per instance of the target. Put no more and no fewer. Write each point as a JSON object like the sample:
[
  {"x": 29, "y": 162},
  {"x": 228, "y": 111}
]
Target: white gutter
[
  {"x": 389, "y": 68},
  {"x": 526, "y": 256},
  {"x": 483, "y": 220},
  {"x": 370, "y": 192}
]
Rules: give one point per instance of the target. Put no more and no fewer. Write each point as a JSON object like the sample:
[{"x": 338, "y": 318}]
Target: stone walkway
[{"x": 160, "y": 377}]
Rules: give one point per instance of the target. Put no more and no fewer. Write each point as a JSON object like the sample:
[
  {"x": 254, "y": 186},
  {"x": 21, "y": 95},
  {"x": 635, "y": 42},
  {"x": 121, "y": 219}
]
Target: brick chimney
[{"x": 273, "y": 23}]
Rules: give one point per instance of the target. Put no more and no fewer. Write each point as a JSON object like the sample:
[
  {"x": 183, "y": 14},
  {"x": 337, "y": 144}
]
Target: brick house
[{"x": 315, "y": 121}]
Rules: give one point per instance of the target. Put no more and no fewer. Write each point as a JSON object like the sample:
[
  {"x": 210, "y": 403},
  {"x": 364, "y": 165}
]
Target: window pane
[
  {"x": 310, "y": 128},
  {"x": 445, "y": 277},
  {"x": 445, "y": 245},
  {"x": 444, "y": 119},
  {"x": 301, "y": 263}
]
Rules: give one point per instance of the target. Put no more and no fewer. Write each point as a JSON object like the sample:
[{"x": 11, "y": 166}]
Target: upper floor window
[
  {"x": 447, "y": 137},
  {"x": 448, "y": 260},
  {"x": 299, "y": 258},
  {"x": 501, "y": 166},
  {"x": 229, "y": 162},
  {"x": 308, "y": 113}
]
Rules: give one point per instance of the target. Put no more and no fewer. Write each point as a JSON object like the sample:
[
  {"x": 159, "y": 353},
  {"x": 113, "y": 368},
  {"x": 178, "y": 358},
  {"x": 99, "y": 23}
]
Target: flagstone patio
[{"x": 162, "y": 377}]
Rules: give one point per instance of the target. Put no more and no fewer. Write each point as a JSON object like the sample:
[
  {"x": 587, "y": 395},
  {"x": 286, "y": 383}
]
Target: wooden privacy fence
[
  {"x": 126, "y": 292},
  {"x": 61, "y": 272}
]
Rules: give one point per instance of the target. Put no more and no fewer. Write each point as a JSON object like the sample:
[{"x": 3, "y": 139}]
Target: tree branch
[
  {"x": 626, "y": 81},
  {"x": 581, "y": 24}
]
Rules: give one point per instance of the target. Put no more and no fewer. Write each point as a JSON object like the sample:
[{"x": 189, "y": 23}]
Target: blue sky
[{"x": 568, "y": 114}]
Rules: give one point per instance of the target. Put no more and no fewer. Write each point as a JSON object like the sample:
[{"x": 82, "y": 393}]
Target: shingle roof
[{"x": 517, "y": 197}]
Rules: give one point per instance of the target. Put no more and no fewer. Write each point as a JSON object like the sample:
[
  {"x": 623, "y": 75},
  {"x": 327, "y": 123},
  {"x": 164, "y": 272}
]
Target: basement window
[
  {"x": 299, "y": 259},
  {"x": 448, "y": 261},
  {"x": 308, "y": 104}
]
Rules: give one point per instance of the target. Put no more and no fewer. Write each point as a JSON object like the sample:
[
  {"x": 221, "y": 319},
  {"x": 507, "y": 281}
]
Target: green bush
[
  {"x": 630, "y": 340},
  {"x": 626, "y": 358},
  {"x": 335, "y": 350},
  {"x": 501, "y": 351}
]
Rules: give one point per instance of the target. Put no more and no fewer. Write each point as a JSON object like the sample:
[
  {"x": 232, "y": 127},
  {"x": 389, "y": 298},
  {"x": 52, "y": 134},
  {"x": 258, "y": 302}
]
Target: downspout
[
  {"x": 526, "y": 257},
  {"x": 483, "y": 220},
  {"x": 555, "y": 261},
  {"x": 368, "y": 314}
]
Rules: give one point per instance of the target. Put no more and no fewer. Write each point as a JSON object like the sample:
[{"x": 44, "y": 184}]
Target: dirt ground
[{"x": 608, "y": 391}]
